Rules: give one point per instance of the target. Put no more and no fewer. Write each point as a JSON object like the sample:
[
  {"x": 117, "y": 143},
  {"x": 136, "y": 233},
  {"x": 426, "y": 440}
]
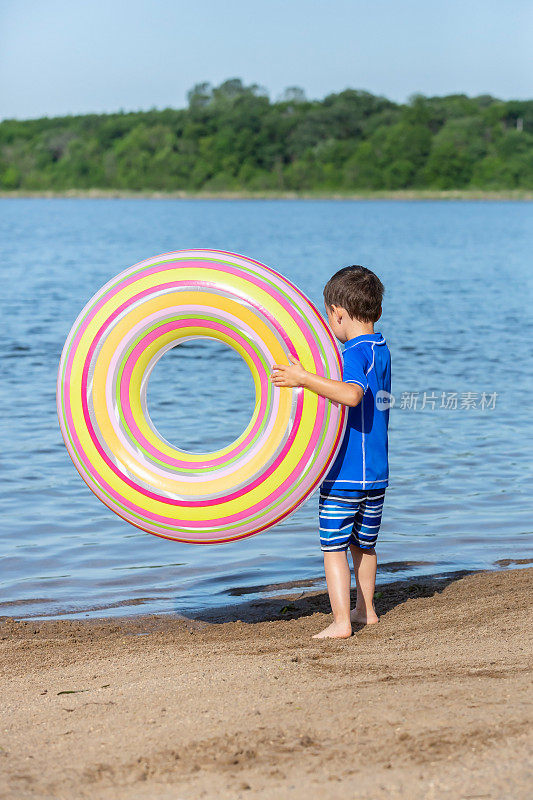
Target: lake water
[{"x": 457, "y": 319}]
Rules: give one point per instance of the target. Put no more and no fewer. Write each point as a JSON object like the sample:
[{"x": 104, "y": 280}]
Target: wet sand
[{"x": 433, "y": 702}]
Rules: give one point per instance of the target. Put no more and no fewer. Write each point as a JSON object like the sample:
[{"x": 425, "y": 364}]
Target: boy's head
[{"x": 358, "y": 291}]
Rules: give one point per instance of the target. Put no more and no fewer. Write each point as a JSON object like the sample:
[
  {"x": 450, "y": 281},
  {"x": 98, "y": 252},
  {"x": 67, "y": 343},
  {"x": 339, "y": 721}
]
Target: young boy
[{"x": 351, "y": 495}]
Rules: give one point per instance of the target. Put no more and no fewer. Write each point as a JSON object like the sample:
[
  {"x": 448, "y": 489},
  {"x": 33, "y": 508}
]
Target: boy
[{"x": 351, "y": 495}]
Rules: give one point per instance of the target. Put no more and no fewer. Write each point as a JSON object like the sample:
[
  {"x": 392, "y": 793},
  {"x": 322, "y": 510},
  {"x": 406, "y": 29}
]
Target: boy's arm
[{"x": 292, "y": 375}]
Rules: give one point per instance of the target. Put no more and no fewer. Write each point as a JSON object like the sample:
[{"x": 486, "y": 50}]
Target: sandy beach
[
  {"x": 181, "y": 194},
  {"x": 433, "y": 702}
]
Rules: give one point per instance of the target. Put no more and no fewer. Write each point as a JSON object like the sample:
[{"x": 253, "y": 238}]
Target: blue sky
[{"x": 59, "y": 57}]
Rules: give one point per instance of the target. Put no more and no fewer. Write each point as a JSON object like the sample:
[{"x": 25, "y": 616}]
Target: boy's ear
[
  {"x": 340, "y": 312},
  {"x": 379, "y": 315}
]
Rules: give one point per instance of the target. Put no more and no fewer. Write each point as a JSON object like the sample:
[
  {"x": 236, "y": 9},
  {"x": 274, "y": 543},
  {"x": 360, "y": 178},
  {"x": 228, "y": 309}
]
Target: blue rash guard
[{"x": 362, "y": 461}]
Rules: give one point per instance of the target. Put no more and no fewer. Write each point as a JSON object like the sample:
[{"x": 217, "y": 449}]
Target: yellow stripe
[{"x": 309, "y": 407}]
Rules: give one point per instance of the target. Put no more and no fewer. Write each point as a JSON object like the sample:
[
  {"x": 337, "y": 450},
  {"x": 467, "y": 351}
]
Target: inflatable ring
[{"x": 270, "y": 469}]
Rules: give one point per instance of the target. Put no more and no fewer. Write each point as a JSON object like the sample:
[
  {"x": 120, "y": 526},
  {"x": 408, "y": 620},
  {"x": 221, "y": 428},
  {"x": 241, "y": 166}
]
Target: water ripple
[{"x": 457, "y": 319}]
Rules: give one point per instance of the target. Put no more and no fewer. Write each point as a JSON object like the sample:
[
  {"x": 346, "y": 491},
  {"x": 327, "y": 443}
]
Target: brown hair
[{"x": 357, "y": 290}]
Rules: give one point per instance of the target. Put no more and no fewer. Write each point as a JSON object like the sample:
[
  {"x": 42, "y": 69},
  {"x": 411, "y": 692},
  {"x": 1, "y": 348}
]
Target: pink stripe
[
  {"x": 307, "y": 301},
  {"x": 247, "y": 529},
  {"x": 118, "y": 355},
  {"x": 248, "y": 278},
  {"x": 126, "y": 380},
  {"x": 191, "y": 503},
  {"x": 308, "y": 486},
  {"x": 145, "y": 293},
  {"x": 210, "y": 284},
  {"x": 215, "y": 501},
  {"x": 185, "y": 503}
]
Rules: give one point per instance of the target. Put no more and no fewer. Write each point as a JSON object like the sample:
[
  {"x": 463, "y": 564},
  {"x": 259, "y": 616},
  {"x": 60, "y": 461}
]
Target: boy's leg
[
  {"x": 338, "y": 579},
  {"x": 365, "y": 566},
  {"x": 364, "y": 537}
]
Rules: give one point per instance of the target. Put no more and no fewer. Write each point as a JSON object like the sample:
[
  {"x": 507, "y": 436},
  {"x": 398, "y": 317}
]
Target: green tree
[
  {"x": 454, "y": 152},
  {"x": 232, "y": 136}
]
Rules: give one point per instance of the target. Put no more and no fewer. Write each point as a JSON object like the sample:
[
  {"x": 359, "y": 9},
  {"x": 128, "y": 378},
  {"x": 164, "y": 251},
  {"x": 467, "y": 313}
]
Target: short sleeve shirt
[{"x": 362, "y": 461}]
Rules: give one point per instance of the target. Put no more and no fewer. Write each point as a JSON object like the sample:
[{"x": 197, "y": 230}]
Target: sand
[
  {"x": 433, "y": 702},
  {"x": 180, "y": 194}
]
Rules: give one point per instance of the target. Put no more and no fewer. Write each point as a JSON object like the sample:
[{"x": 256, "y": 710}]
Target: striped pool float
[{"x": 277, "y": 461}]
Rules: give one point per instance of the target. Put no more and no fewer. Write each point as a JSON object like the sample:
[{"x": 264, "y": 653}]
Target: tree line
[{"x": 232, "y": 137}]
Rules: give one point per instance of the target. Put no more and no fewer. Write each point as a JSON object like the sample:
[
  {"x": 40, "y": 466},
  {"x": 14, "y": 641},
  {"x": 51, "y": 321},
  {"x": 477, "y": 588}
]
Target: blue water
[{"x": 457, "y": 320}]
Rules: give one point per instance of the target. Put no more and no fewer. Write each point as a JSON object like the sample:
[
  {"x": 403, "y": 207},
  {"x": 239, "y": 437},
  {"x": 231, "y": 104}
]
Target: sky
[{"x": 81, "y": 56}]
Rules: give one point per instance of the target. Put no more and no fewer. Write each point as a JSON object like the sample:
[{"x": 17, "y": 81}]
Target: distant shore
[
  {"x": 403, "y": 194},
  {"x": 430, "y": 703}
]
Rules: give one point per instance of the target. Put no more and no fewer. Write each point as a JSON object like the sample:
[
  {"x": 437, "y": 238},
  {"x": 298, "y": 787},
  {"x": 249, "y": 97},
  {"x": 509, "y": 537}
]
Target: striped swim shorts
[{"x": 349, "y": 516}]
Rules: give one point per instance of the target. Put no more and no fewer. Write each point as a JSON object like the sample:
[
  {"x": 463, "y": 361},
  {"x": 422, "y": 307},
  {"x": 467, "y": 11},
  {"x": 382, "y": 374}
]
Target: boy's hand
[
  {"x": 290, "y": 375},
  {"x": 293, "y": 375}
]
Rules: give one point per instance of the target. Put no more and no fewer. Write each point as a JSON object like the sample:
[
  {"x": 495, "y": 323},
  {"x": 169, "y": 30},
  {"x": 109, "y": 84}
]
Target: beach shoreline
[
  {"x": 401, "y": 195},
  {"x": 252, "y": 603},
  {"x": 430, "y": 703}
]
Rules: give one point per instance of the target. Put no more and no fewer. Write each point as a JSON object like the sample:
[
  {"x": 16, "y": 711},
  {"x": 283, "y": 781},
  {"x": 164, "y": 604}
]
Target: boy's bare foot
[
  {"x": 364, "y": 619},
  {"x": 335, "y": 631}
]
